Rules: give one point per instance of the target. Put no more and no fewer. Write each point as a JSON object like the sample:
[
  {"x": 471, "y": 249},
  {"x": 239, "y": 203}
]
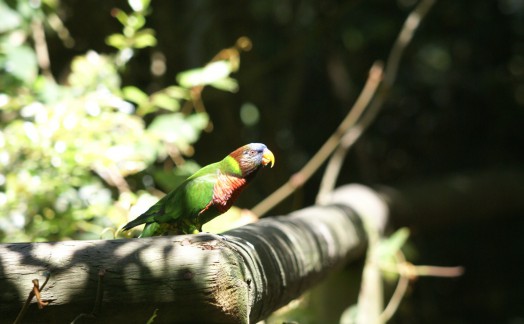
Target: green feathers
[{"x": 206, "y": 194}]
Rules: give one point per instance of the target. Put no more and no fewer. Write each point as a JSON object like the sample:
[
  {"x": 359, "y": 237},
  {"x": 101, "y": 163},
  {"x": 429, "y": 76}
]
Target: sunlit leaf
[
  {"x": 117, "y": 41},
  {"x": 226, "y": 84},
  {"x": 176, "y": 128},
  {"x": 211, "y": 73},
  {"x": 136, "y": 21},
  {"x": 144, "y": 38},
  {"x": 139, "y": 6},
  {"x": 135, "y": 95},
  {"x": 177, "y": 92},
  {"x": 391, "y": 245},
  {"x": 145, "y": 4},
  {"x": 198, "y": 121},
  {"x": 120, "y": 15},
  {"x": 9, "y": 18},
  {"x": 164, "y": 125},
  {"x": 47, "y": 90},
  {"x": 21, "y": 62},
  {"x": 162, "y": 100},
  {"x": 93, "y": 71}
]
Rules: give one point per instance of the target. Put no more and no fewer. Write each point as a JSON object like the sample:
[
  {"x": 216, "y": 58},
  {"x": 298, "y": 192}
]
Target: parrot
[{"x": 207, "y": 193}]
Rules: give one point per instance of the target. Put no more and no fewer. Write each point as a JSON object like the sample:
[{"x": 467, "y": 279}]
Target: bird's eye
[{"x": 252, "y": 152}]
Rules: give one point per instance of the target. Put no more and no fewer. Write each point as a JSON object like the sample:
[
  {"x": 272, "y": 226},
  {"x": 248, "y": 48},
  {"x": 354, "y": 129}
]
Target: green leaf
[
  {"x": 166, "y": 126},
  {"x": 162, "y": 100},
  {"x": 391, "y": 245},
  {"x": 177, "y": 92},
  {"x": 136, "y": 21},
  {"x": 48, "y": 91},
  {"x": 226, "y": 84},
  {"x": 198, "y": 121},
  {"x": 120, "y": 15},
  {"x": 210, "y": 73},
  {"x": 147, "y": 150},
  {"x": 93, "y": 71},
  {"x": 21, "y": 62},
  {"x": 9, "y": 18},
  {"x": 139, "y": 6},
  {"x": 145, "y": 4},
  {"x": 118, "y": 41},
  {"x": 135, "y": 95},
  {"x": 176, "y": 128},
  {"x": 144, "y": 38}
]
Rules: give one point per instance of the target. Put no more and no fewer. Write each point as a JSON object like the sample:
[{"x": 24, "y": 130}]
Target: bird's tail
[{"x": 132, "y": 224}]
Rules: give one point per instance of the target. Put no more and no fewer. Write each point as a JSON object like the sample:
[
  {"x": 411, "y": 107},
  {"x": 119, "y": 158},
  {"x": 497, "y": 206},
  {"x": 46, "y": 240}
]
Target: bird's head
[{"x": 252, "y": 156}]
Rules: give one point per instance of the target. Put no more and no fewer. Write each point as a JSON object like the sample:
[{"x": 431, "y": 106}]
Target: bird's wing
[{"x": 188, "y": 199}]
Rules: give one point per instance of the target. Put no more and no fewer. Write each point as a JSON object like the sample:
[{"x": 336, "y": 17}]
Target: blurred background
[{"x": 105, "y": 105}]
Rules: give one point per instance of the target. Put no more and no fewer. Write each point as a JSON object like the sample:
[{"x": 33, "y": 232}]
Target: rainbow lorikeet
[{"x": 206, "y": 194}]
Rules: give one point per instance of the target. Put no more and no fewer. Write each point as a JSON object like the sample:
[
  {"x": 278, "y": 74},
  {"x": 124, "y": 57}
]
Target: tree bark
[{"x": 240, "y": 277}]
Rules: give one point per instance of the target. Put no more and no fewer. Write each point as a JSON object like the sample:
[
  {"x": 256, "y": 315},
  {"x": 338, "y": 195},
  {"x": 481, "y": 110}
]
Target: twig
[
  {"x": 298, "y": 179},
  {"x": 407, "y": 271},
  {"x": 390, "y": 74},
  {"x": 406, "y": 34},
  {"x": 99, "y": 292},
  {"x": 353, "y": 133},
  {"x": 414, "y": 271},
  {"x": 108, "y": 230},
  {"x": 112, "y": 176},
  {"x": 349, "y": 123},
  {"x": 41, "y": 50},
  {"x": 398, "y": 294},
  {"x": 98, "y": 300},
  {"x": 61, "y": 30},
  {"x": 35, "y": 291},
  {"x": 367, "y": 93},
  {"x": 152, "y": 318},
  {"x": 370, "y": 297}
]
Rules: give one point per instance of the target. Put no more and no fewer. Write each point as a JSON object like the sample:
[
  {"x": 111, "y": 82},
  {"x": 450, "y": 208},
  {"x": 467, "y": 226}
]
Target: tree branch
[
  {"x": 354, "y": 132},
  {"x": 242, "y": 276},
  {"x": 41, "y": 50},
  {"x": 358, "y": 119},
  {"x": 298, "y": 179}
]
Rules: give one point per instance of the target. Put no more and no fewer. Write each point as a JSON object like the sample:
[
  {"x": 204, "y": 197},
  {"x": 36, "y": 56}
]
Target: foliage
[{"x": 67, "y": 148}]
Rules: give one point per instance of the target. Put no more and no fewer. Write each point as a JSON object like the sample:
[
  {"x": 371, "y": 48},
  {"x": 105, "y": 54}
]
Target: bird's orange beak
[{"x": 268, "y": 157}]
